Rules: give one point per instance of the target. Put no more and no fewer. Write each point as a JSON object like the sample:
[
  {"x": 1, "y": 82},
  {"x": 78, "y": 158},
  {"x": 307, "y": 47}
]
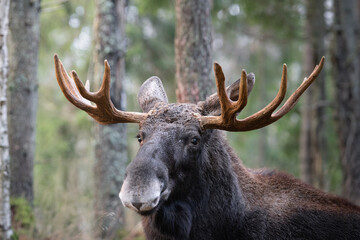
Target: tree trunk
[
  {"x": 5, "y": 214},
  {"x": 263, "y": 132},
  {"x": 306, "y": 141},
  {"x": 193, "y": 50},
  {"x": 23, "y": 84},
  {"x": 313, "y": 144},
  {"x": 111, "y": 147},
  {"x": 346, "y": 66}
]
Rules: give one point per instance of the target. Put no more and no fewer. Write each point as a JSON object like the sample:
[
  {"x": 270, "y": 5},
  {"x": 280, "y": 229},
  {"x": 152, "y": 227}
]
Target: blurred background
[{"x": 316, "y": 141}]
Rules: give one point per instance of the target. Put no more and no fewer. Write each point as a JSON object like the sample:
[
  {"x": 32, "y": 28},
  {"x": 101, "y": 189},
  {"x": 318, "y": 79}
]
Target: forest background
[{"x": 257, "y": 35}]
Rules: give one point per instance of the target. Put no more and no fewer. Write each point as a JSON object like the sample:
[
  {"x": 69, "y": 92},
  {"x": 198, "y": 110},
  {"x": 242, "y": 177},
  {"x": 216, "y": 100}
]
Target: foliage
[
  {"x": 256, "y": 35},
  {"x": 276, "y": 19},
  {"x": 15, "y": 236},
  {"x": 150, "y": 31},
  {"x": 22, "y": 212},
  {"x": 23, "y": 221},
  {"x": 63, "y": 173}
]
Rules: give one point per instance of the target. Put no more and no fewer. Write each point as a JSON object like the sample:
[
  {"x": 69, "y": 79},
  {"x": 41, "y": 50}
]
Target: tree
[
  {"x": 111, "y": 146},
  {"x": 346, "y": 75},
  {"x": 193, "y": 49},
  {"x": 5, "y": 214},
  {"x": 23, "y": 85},
  {"x": 313, "y": 141}
]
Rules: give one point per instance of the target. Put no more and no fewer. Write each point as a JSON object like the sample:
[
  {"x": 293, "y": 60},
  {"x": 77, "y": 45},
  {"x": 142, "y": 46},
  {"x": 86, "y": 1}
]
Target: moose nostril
[
  {"x": 137, "y": 205},
  {"x": 155, "y": 202}
]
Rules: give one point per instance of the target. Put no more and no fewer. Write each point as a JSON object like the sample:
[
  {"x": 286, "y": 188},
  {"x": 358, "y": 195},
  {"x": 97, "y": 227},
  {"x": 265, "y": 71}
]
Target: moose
[{"x": 187, "y": 183}]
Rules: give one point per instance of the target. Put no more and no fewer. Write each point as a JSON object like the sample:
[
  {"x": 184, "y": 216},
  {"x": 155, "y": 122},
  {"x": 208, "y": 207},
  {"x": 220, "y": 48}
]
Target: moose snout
[
  {"x": 141, "y": 198},
  {"x": 146, "y": 180}
]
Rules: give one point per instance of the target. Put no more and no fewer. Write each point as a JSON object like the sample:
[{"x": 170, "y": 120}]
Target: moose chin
[{"x": 187, "y": 183}]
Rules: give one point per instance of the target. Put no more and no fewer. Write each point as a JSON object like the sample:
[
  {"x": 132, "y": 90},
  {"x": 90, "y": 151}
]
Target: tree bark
[
  {"x": 263, "y": 132},
  {"x": 193, "y": 49},
  {"x": 346, "y": 74},
  {"x": 23, "y": 84},
  {"x": 5, "y": 213},
  {"x": 313, "y": 141},
  {"x": 111, "y": 146}
]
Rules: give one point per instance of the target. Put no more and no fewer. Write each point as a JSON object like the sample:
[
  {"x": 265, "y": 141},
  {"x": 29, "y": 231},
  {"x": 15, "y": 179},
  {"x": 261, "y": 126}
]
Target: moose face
[
  {"x": 171, "y": 140},
  {"x": 167, "y": 161}
]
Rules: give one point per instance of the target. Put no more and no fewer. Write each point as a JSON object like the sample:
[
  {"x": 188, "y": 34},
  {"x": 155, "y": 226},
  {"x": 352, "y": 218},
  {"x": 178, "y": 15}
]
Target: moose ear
[
  {"x": 211, "y": 106},
  {"x": 150, "y": 93}
]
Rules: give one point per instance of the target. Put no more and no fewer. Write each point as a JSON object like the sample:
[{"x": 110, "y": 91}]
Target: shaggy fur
[{"x": 213, "y": 196}]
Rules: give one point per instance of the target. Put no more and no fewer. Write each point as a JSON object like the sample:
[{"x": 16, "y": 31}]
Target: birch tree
[{"x": 5, "y": 214}]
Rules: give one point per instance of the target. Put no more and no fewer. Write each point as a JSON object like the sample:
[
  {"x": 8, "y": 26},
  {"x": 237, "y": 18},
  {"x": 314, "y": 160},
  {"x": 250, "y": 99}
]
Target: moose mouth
[
  {"x": 151, "y": 211},
  {"x": 163, "y": 198},
  {"x": 140, "y": 209}
]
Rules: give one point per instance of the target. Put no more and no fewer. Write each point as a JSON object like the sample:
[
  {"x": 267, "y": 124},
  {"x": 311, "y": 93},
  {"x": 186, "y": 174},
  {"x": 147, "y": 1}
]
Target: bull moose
[{"x": 187, "y": 183}]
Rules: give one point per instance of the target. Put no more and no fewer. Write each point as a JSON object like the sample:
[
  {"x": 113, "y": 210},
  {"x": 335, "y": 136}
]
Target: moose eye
[
  {"x": 194, "y": 141},
  {"x": 139, "y": 138}
]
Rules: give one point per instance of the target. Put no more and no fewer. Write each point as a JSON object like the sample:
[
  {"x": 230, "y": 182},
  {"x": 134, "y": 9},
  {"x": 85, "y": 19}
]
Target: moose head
[{"x": 185, "y": 180}]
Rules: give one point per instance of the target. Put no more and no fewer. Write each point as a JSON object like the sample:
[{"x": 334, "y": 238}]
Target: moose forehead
[{"x": 163, "y": 114}]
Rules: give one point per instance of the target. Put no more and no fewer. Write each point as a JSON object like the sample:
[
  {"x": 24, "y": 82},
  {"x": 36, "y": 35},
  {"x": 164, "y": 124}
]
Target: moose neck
[{"x": 219, "y": 172}]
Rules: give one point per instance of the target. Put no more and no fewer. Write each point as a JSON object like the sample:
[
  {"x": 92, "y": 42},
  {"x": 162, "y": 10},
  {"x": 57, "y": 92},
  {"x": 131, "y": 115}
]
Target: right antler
[
  {"x": 104, "y": 112},
  {"x": 229, "y": 109}
]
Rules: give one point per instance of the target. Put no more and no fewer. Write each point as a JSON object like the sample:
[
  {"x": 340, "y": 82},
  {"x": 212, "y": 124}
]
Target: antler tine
[
  {"x": 227, "y": 120},
  {"x": 220, "y": 84},
  {"x": 84, "y": 92},
  {"x": 270, "y": 108},
  {"x": 67, "y": 80},
  {"x": 293, "y": 99},
  {"x": 87, "y": 85},
  {"x": 103, "y": 92},
  {"x": 68, "y": 87},
  {"x": 228, "y": 107},
  {"x": 243, "y": 93},
  {"x": 105, "y": 85},
  {"x": 104, "y": 112}
]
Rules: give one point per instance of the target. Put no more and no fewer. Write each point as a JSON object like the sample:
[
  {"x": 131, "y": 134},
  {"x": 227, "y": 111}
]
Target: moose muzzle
[{"x": 142, "y": 197}]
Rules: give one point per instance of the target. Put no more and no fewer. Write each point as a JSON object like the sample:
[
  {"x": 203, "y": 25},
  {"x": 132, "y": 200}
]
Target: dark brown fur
[{"x": 215, "y": 197}]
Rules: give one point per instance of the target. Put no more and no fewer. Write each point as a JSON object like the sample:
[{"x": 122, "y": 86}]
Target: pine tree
[
  {"x": 193, "y": 50},
  {"x": 111, "y": 146},
  {"x": 346, "y": 67}
]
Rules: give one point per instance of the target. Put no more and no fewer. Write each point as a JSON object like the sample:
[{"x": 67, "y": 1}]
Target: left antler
[
  {"x": 104, "y": 111},
  {"x": 229, "y": 109}
]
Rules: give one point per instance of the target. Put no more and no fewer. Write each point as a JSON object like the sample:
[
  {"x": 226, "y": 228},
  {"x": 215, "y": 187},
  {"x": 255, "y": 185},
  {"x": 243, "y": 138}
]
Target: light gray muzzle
[{"x": 141, "y": 198}]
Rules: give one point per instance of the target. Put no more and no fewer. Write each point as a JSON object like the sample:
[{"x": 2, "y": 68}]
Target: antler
[
  {"x": 229, "y": 109},
  {"x": 104, "y": 111}
]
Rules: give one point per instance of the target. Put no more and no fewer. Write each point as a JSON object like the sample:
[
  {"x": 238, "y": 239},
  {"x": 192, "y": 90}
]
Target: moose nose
[
  {"x": 143, "y": 206},
  {"x": 141, "y": 198},
  {"x": 137, "y": 205}
]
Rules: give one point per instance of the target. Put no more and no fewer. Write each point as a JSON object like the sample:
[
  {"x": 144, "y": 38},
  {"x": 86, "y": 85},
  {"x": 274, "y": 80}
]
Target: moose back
[{"x": 187, "y": 183}]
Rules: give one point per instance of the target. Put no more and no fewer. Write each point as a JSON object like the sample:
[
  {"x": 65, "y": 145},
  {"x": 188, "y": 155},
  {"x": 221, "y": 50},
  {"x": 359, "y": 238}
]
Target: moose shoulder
[{"x": 186, "y": 181}]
